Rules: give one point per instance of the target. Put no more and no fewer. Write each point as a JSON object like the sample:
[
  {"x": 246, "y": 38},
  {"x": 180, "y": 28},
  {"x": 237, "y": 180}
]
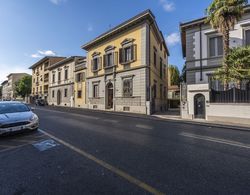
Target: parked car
[
  {"x": 40, "y": 102},
  {"x": 16, "y": 116}
]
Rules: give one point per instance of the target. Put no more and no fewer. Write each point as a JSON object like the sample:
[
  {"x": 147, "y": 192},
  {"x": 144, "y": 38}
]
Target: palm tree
[{"x": 223, "y": 15}]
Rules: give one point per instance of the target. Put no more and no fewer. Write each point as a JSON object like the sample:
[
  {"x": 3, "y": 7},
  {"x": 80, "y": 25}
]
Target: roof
[
  {"x": 193, "y": 23},
  {"x": 22, "y": 73},
  {"x": 43, "y": 60},
  {"x": 147, "y": 14},
  {"x": 64, "y": 61},
  {"x": 4, "y": 82}
]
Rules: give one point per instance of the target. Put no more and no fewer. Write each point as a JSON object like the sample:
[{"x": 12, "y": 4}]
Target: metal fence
[{"x": 233, "y": 95}]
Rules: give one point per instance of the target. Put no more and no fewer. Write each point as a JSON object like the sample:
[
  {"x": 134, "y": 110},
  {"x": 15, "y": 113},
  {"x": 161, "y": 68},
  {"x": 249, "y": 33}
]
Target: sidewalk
[{"x": 175, "y": 116}]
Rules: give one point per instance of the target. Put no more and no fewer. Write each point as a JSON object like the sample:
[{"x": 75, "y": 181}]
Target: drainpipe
[{"x": 201, "y": 75}]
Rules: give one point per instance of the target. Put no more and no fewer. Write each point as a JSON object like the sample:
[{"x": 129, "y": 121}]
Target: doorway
[
  {"x": 59, "y": 97},
  {"x": 199, "y": 106},
  {"x": 110, "y": 95}
]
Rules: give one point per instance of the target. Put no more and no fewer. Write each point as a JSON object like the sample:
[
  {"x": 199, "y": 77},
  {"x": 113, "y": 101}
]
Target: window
[
  {"x": 95, "y": 90},
  {"x": 247, "y": 34},
  {"x": 154, "y": 58},
  {"x": 41, "y": 88},
  {"x": 41, "y": 67},
  {"x": 95, "y": 64},
  {"x": 161, "y": 68},
  {"x": 34, "y": 80},
  {"x": 65, "y": 92},
  {"x": 127, "y": 54},
  {"x": 53, "y": 78},
  {"x": 215, "y": 46},
  {"x": 79, "y": 94},
  {"x": 154, "y": 90},
  {"x": 128, "y": 87},
  {"x": 53, "y": 93},
  {"x": 161, "y": 91},
  {"x": 110, "y": 59},
  {"x": 59, "y": 76},
  {"x": 165, "y": 93},
  {"x": 79, "y": 77},
  {"x": 66, "y": 74}
]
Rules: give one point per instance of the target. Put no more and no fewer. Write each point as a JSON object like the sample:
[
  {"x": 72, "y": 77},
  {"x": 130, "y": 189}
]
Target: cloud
[
  {"x": 57, "y": 2},
  {"x": 173, "y": 39},
  {"x": 168, "y": 6},
  {"x": 40, "y": 53},
  {"x": 90, "y": 28},
  {"x": 10, "y": 68}
]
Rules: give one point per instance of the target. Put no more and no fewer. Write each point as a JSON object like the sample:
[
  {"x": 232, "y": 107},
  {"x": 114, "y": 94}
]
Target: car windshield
[{"x": 13, "y": 107}]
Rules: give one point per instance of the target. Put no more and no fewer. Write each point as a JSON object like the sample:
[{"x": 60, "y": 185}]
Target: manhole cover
[{"x": 45, "y": 145}]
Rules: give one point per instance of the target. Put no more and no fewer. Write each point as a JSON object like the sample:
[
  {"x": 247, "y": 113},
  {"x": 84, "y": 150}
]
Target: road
[{"x": 105, "y": 153}]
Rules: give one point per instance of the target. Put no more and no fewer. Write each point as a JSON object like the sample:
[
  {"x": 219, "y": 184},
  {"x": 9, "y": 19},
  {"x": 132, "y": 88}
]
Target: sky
[{"x": 31, "y": 29}]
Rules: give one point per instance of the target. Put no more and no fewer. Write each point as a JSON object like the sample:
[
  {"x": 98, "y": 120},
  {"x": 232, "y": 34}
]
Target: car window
[{"x": 12, "y": 108}]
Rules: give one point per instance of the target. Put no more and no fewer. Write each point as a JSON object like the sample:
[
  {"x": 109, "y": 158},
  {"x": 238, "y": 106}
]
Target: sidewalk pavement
[{"x": 175, "y": 116}]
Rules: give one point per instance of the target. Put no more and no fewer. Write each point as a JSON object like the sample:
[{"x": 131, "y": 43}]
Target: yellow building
[
  {"x": 40, "y": 76},
  {"x": 127, "y": 67},
  {"x": 80, "y": 84}
]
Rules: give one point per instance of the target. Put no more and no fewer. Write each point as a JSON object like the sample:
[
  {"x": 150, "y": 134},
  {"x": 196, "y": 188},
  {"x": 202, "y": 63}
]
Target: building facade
[
  {"x": 127, "y": 67},
  {"x": 9, "y": 86},
  {"x": 80, "y": 74},
  {"x": 5, "y": 94},
  {"x": 61, "y": 82},
  {"x": 203, "y": 51},
  {"x": 40, "y": 76}
]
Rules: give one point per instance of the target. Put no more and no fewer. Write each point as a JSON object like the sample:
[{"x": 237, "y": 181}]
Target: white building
[
  {"x": 61, "y": 82},
  {"x": 203, "y": 51}
]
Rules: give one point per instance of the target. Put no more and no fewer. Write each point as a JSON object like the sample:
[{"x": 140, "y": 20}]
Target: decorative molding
[
  {"x": 96, "y": 54},
  {"x": 108, "y": 48},
  {"x": 127, "y": 41}
]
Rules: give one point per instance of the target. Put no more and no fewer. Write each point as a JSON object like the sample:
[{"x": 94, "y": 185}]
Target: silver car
[{"x": 16, "y": 116}]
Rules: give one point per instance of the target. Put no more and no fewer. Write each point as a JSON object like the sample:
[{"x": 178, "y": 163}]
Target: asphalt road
[{"x": 103, "y": 153}]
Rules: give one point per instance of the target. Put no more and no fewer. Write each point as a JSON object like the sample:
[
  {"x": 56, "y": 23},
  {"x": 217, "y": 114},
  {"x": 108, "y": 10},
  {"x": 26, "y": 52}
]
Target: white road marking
[
  {"x": 108, "y": 166},
  {"x": 110, "y": 120},
  {"x": 217, "y": 140},
  {"x": 144, "y": 126},
  {"x": 73, "y": 114}
]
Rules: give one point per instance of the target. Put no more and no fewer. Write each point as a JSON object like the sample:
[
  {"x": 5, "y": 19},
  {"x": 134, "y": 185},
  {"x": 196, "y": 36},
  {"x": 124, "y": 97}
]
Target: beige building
[
  {"x": 9, "y": 86},
  {"x": 40, "y": 76},
  {"x": 5, "y": 90},
  {"x": 61, "y": 81}
]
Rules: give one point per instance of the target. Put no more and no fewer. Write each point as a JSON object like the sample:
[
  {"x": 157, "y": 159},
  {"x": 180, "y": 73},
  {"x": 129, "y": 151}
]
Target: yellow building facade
[
  {"x": 40, "y": 76},
  {"x": 127, "y": 67},
  {"x": 80, "y": 73}
]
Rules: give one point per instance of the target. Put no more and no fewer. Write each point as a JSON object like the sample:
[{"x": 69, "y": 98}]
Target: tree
[
  {"x": 238, "y": 63},
  {"x": 222, "y": 16},
  {"x": 23, "y": 86},
  {"x": 174, "y": 75}
]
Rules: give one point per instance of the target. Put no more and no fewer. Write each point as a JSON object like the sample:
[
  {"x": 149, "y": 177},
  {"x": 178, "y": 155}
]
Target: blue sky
[{"x": 31, "y": 29}]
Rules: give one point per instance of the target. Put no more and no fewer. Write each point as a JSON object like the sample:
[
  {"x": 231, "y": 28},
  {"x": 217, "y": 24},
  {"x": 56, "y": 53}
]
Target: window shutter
[
  {"x": 99, "y": 63},
  {"x": 133, "y": 52},
  {"x": 121, "y": 55},
  {"x": 220, "y": 45},
  {"x": 131, "y": 87},
  {"x": 247, "y": 37},
  {"x": 115, "y": 58},
  {"x": 92, "y": 65},
  {"x": 105, "y": 60}
]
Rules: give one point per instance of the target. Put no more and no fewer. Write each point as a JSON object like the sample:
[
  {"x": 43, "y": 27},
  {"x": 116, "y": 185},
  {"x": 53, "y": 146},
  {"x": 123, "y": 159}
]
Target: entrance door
[
  {"x": 199, "y": 106},
  {"x": 110, "y": 93},
  {"x": 59, "y": 97}
]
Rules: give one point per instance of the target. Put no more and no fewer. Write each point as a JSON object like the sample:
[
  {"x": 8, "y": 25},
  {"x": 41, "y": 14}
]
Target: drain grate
[{"x": 45, "y": 145}]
